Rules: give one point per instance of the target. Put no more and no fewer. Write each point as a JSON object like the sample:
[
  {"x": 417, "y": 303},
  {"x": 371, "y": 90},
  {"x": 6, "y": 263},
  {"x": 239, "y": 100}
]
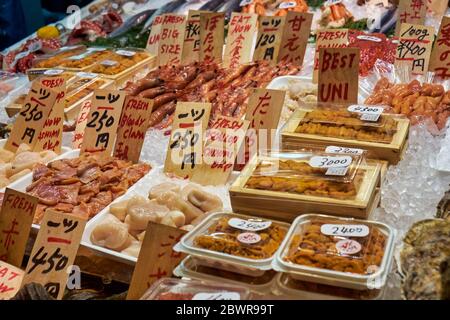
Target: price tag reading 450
[{"x": 249, "y": 225}]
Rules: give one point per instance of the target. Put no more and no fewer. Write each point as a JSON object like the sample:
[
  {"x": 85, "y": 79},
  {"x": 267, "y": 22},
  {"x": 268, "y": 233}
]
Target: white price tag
[
  {"x": 125, "y": 53},
  {"x": 88, "y": 75},
  {"x": 348, "y": 246},
  {"x": 108, "y": 63},
  {"x": 330, "y": 162},
  {"x": 370, "y": 117},
  {"x": 345, "y": 230},
  {"x": 344, "y": 150},
  {"x": 79, "y": 56},
  {"x": 369, "y": 38},
  {"x": 248, "y": 238},
  {"x": 366, "y": 109},
  {"x": 95, "y": 49},
  {"x": 329, "y": 3},
  {"x": 217, "y": 296},
  {"x": 287, "y": 5},
  {"x": 342, "y": 171},
  {"x": 53, "y": 72},
  {"x": 249, "y": 225},
  {"x": 245, "y": 3}
]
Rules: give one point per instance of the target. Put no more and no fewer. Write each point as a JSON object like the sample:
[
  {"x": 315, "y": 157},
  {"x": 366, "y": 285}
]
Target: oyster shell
[
  {"x": 425, "y": 247},
  {"x": 443, "y": 208}
]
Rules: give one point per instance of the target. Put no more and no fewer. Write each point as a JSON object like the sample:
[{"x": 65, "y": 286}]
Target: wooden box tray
[
  {"x": 287, "y": 206},
  {"x": 391, "y": 152}
]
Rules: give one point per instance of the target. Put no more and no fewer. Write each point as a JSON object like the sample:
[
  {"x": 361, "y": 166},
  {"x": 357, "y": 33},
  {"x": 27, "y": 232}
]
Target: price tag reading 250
[{"x": 249, "y": 225}]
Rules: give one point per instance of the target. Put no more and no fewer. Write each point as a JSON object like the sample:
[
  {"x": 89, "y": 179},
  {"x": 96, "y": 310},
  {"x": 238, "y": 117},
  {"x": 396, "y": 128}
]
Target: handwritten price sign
[
  {"x": 440, "y": 57},
  {"x": 191, "y": 44},
  {"x": 211, "y": 36},
  {"x": 270, "y": 31}
]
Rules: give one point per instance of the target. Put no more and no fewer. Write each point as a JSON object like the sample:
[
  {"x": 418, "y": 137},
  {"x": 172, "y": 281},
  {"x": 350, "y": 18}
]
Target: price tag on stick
[
  {"x": 440, "y": 56},
  {"x": 54, "y": 251},
  {"x": 410, "y": 11},
  {"x": 102, "y": 121},
  {"x": 211, "y": 36},
  {"x": 338, "y": 75},
  {"x": 155, "y": 36},
  {"x": 191, "y": 44},
  {"x": 295, "y": 36},
  {"x": 133, "y": 126},
  {"x": 414, "y": 48},
  {"x": 241, "y": 30},
  {"x": 10, "y": 280},
  {"x": 32, "y": 116},
  {"x": 81, "y": 121},
  {"x": 270, "y": 32},
  {"x": 156, "y": 258},
  {"x": 16, "y": 217},
  {"x": 171, "y": 39}
]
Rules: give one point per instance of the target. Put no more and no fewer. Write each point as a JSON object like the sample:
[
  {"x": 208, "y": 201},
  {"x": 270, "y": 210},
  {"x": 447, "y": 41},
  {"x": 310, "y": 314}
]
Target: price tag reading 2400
[
  {"x": 330, "y": 162},
  {"x": 249, "y": 225},
  {"x": 345, "y": 230}
]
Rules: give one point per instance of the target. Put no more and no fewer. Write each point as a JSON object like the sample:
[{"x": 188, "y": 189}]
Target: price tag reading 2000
[{"x": 249, "y": 225}]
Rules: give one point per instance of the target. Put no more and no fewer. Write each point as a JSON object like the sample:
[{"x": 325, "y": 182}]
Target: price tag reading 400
[
  {"x": 102, "y": 122},
  {"x": 249, "y": 225}
]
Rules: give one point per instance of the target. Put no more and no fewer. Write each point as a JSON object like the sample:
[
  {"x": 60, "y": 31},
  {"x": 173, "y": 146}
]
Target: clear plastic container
[
  {"x": 183, "y": 289},
  {"x": 288, "y": 287},
  {"x": 335, "y": 251},
  {"x": 85, "y": 59},
  {"x": 235, "y": 242},
  {"x": 55, "y": 58},
  {"x": 336, "y": 121},
  {"x": 119, "y": 60},
  {"x": 310, "y": 173},
  {"x": 194, "y": 268}
]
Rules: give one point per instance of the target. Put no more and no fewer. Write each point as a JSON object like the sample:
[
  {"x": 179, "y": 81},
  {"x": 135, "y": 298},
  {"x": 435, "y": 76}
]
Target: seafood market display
[
  {"x": 190, "y": 179},
  {"x": 84, "y": 185},
  {"x": 14, "y": 165},
  {"x": 123, "y": 228},
  {"x": 415, "y": 100},
  {"x": 227, "y": 89}
]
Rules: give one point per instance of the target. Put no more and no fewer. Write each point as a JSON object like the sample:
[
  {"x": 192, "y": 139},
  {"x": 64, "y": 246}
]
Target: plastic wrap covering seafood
[
  {"x": 54, "y": 59},
  {"x": 353, "y": 252},
  {"x": 341, "y": 123},
  {"x": 424, "y": 260},
  {"x": 17, "y": 164},
  {"x": 123, "y": 228},
  {"x": 117, "y": 62},
  {"x": 176, "y": 289},
  {"x": 227, "y": 89},
  {"x": 415, "y": 100},
  {"x": 85, "y": 59},
  {"x": 84, "y": 185}
]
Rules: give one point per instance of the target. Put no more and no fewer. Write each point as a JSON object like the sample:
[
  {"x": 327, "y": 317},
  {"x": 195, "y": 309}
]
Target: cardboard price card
[
  {"x": 270, "y": 32},
  {"x": 296, "y": 32},
  {"x": 328, "y": 38},
  {"x": 338, "y": 75},
  {"x": 440, "y": 56},
  {"x": 80, "y": 124},
  {"x": 191, "y": 44},
  {"x": 32, "y": 116},
  {"x": 171, "y": 39},
  {"x": 154, "y": 36},
  {"x": 102, "y": 121},
  {"x": 50, "y": 138},
  {"x": 54, "y": 251},
  {"x": 10, "y": 280},
  {"x": 156, "y": 259},
  {"x": 211, "y": 36},
  {"x": 184, "y": 152},
  {"x": 133, "y": 126},
  {"x": 414, "y": 48},
  {"x": 222, "y": 144},
  {"x": 410, "y": 11},
  {"x": 241, "y": 30},
  {"x": 16, "y": 217}
]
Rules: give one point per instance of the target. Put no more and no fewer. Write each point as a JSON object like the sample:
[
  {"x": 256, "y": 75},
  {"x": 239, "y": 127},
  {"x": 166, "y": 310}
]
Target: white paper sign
[
  {"x": 87, "y": 75},
  {"x": 53, "y": 72},
  {"x": 249, "y": 225},
  {"x": 369, "y": 38},
  {"x": 287, "y": 5},
  {"x": 366, "y": 109},
  {"x": 330, "y": 162},
  {"x": 108, "y": 63},
  {"x": 343, "y": 150},
  {"x": 345, "y": 230},
  {"x": 217, "y": 296},
  {"x": 245, "y": 3},
  {"x": 125, "y": 53}
]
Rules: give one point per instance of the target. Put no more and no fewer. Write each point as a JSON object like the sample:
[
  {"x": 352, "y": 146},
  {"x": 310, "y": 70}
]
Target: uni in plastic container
[
  {"x": 183, "y": 289},
  {"x": 119, "y": 60},
  {"x": 235, "y": 242},
  {"x": 336, "y": 251}
]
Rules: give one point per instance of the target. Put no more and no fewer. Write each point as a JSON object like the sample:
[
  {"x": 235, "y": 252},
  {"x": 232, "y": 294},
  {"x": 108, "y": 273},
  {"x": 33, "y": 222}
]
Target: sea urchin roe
[
  {"x": 346, "y": 125},
  {"x": 223, "y": 238},
  {"x": 123, "y": 63},
  {"x": 312, "y": 248},
  {"x": 310, "y": 184}
]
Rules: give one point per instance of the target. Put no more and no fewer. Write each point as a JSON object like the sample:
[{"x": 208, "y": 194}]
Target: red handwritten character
[
  {"x": 404, "y": 17},
  {"x": 296, "y": 23},
  {"x": 416, "y": 5},
  {"x": 10, "y": 234}
]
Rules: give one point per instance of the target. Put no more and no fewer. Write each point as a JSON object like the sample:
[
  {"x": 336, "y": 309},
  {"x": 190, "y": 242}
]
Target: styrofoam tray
[
  {"x": 64, "y": 152},
  {"x": 142, "y": 188}
]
